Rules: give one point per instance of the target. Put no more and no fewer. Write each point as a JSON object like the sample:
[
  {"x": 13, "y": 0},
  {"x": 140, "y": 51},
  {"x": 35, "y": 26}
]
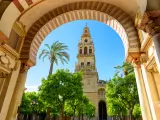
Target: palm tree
[
  {"x": 56, "y": 52},
  {"x": 126, "y": 68}
]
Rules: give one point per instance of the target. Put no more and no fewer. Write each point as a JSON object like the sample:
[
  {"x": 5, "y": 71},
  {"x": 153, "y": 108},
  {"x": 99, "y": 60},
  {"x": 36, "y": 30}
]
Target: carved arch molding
[{"x": 103, "y": 12}]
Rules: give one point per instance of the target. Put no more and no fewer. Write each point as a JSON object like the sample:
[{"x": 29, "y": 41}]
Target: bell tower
[{"x": 87, "y": 64}]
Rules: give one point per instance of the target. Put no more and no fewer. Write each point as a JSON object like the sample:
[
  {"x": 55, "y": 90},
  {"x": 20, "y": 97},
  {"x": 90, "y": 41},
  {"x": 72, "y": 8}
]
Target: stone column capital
[
  {"x": 150, "y": 22},
  {"x": 24, "y": 67},
  {"x": 136, "y": 62}
]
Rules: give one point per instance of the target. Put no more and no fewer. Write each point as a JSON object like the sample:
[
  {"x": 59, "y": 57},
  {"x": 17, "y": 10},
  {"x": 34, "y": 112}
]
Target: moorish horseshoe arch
[{"x": 106, "y": 13}]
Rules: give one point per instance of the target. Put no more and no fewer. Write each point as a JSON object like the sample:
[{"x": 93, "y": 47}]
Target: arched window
[
  {"x": 80, "y": 51},
  {"x": 85, "y": 50},
  {"x": 85, "y": 40},
  {"x": 90, "y": 50},
  {"x": 88, "y": 63},
  {"x": 82, "y": 64}
]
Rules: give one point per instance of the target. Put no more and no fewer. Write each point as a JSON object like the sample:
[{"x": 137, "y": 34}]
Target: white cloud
[{"x": 32, "y": 88}]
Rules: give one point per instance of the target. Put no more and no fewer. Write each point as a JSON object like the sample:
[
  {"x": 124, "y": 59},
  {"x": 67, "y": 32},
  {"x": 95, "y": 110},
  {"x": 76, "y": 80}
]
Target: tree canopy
[
  {"x": 60, "y": 88},
  {"x": 31, "y": 103},
  {"x": 122, "y": 94}
]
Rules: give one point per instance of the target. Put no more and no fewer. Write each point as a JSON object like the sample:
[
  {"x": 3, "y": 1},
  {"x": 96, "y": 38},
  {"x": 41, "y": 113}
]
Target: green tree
[
  {"x": 126, "y": 68},
  {"x": 60, "y": 88},
  {"x": 25, "y": 107},
  {"x": 114, "y": 105},
  {"x": 122, "y": 94},
  {"x": 90, "y": 110},
  {"x": 31, "y": 104},
  {"x": 68, "y": 110},
  {"x": 72, "y": 105},
  {"x": 116, "y": 108},
  {"x": 81, "y": 107},
  {"x": 137, "y": 111},
  {"x": 55, "y": 52}
]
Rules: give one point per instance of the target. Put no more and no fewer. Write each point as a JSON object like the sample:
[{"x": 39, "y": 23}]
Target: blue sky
[{"x": 109, "y": 50}]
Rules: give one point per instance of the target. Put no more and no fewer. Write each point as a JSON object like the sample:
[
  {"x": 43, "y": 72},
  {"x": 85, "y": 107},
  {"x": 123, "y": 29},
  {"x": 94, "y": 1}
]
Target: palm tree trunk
[{"x": 51, "y": 68}]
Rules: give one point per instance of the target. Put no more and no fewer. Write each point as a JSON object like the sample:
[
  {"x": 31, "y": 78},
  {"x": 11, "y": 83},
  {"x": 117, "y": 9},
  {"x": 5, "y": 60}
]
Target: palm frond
[
  {"x": 65, "y": 54},
  {"x": 66, "y": 61},
  {"x": 44, "y": 56},
  {"x": 44, "y": 51},
  {"x": 49, "y": 48}
]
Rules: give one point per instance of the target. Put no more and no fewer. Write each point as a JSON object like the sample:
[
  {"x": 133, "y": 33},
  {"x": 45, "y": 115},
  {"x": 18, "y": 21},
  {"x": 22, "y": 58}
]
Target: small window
[
  {"x": 90, "y": 50},
  {"x": 88, "y": 63},
  {"x": 82, "y": 63},
  {"x": 86, "y": 40},
  {"x": 80, "y": 51},
  {"x": 85, "y": 50}
]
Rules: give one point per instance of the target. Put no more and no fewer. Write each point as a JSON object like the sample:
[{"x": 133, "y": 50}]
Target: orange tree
[
  {"x": 122, "y": 95},
  {"x": 61, "y": 87}
]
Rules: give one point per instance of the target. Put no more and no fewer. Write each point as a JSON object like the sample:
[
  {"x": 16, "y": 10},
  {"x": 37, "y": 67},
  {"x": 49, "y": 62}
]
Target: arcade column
[
  {"x": 9, "y": 70},
  {"x": 150, "y": 78},
  {"x": 18, "y": 92},
  {"x": 156, "y": 42},
  {"x": 144, "y": 103}
]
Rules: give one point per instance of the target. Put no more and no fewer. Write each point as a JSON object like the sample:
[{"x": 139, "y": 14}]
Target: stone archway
[{"x": 106, "y": 13}]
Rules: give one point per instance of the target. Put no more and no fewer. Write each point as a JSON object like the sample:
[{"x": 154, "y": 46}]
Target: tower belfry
[{"x": 86, "y": 56}]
